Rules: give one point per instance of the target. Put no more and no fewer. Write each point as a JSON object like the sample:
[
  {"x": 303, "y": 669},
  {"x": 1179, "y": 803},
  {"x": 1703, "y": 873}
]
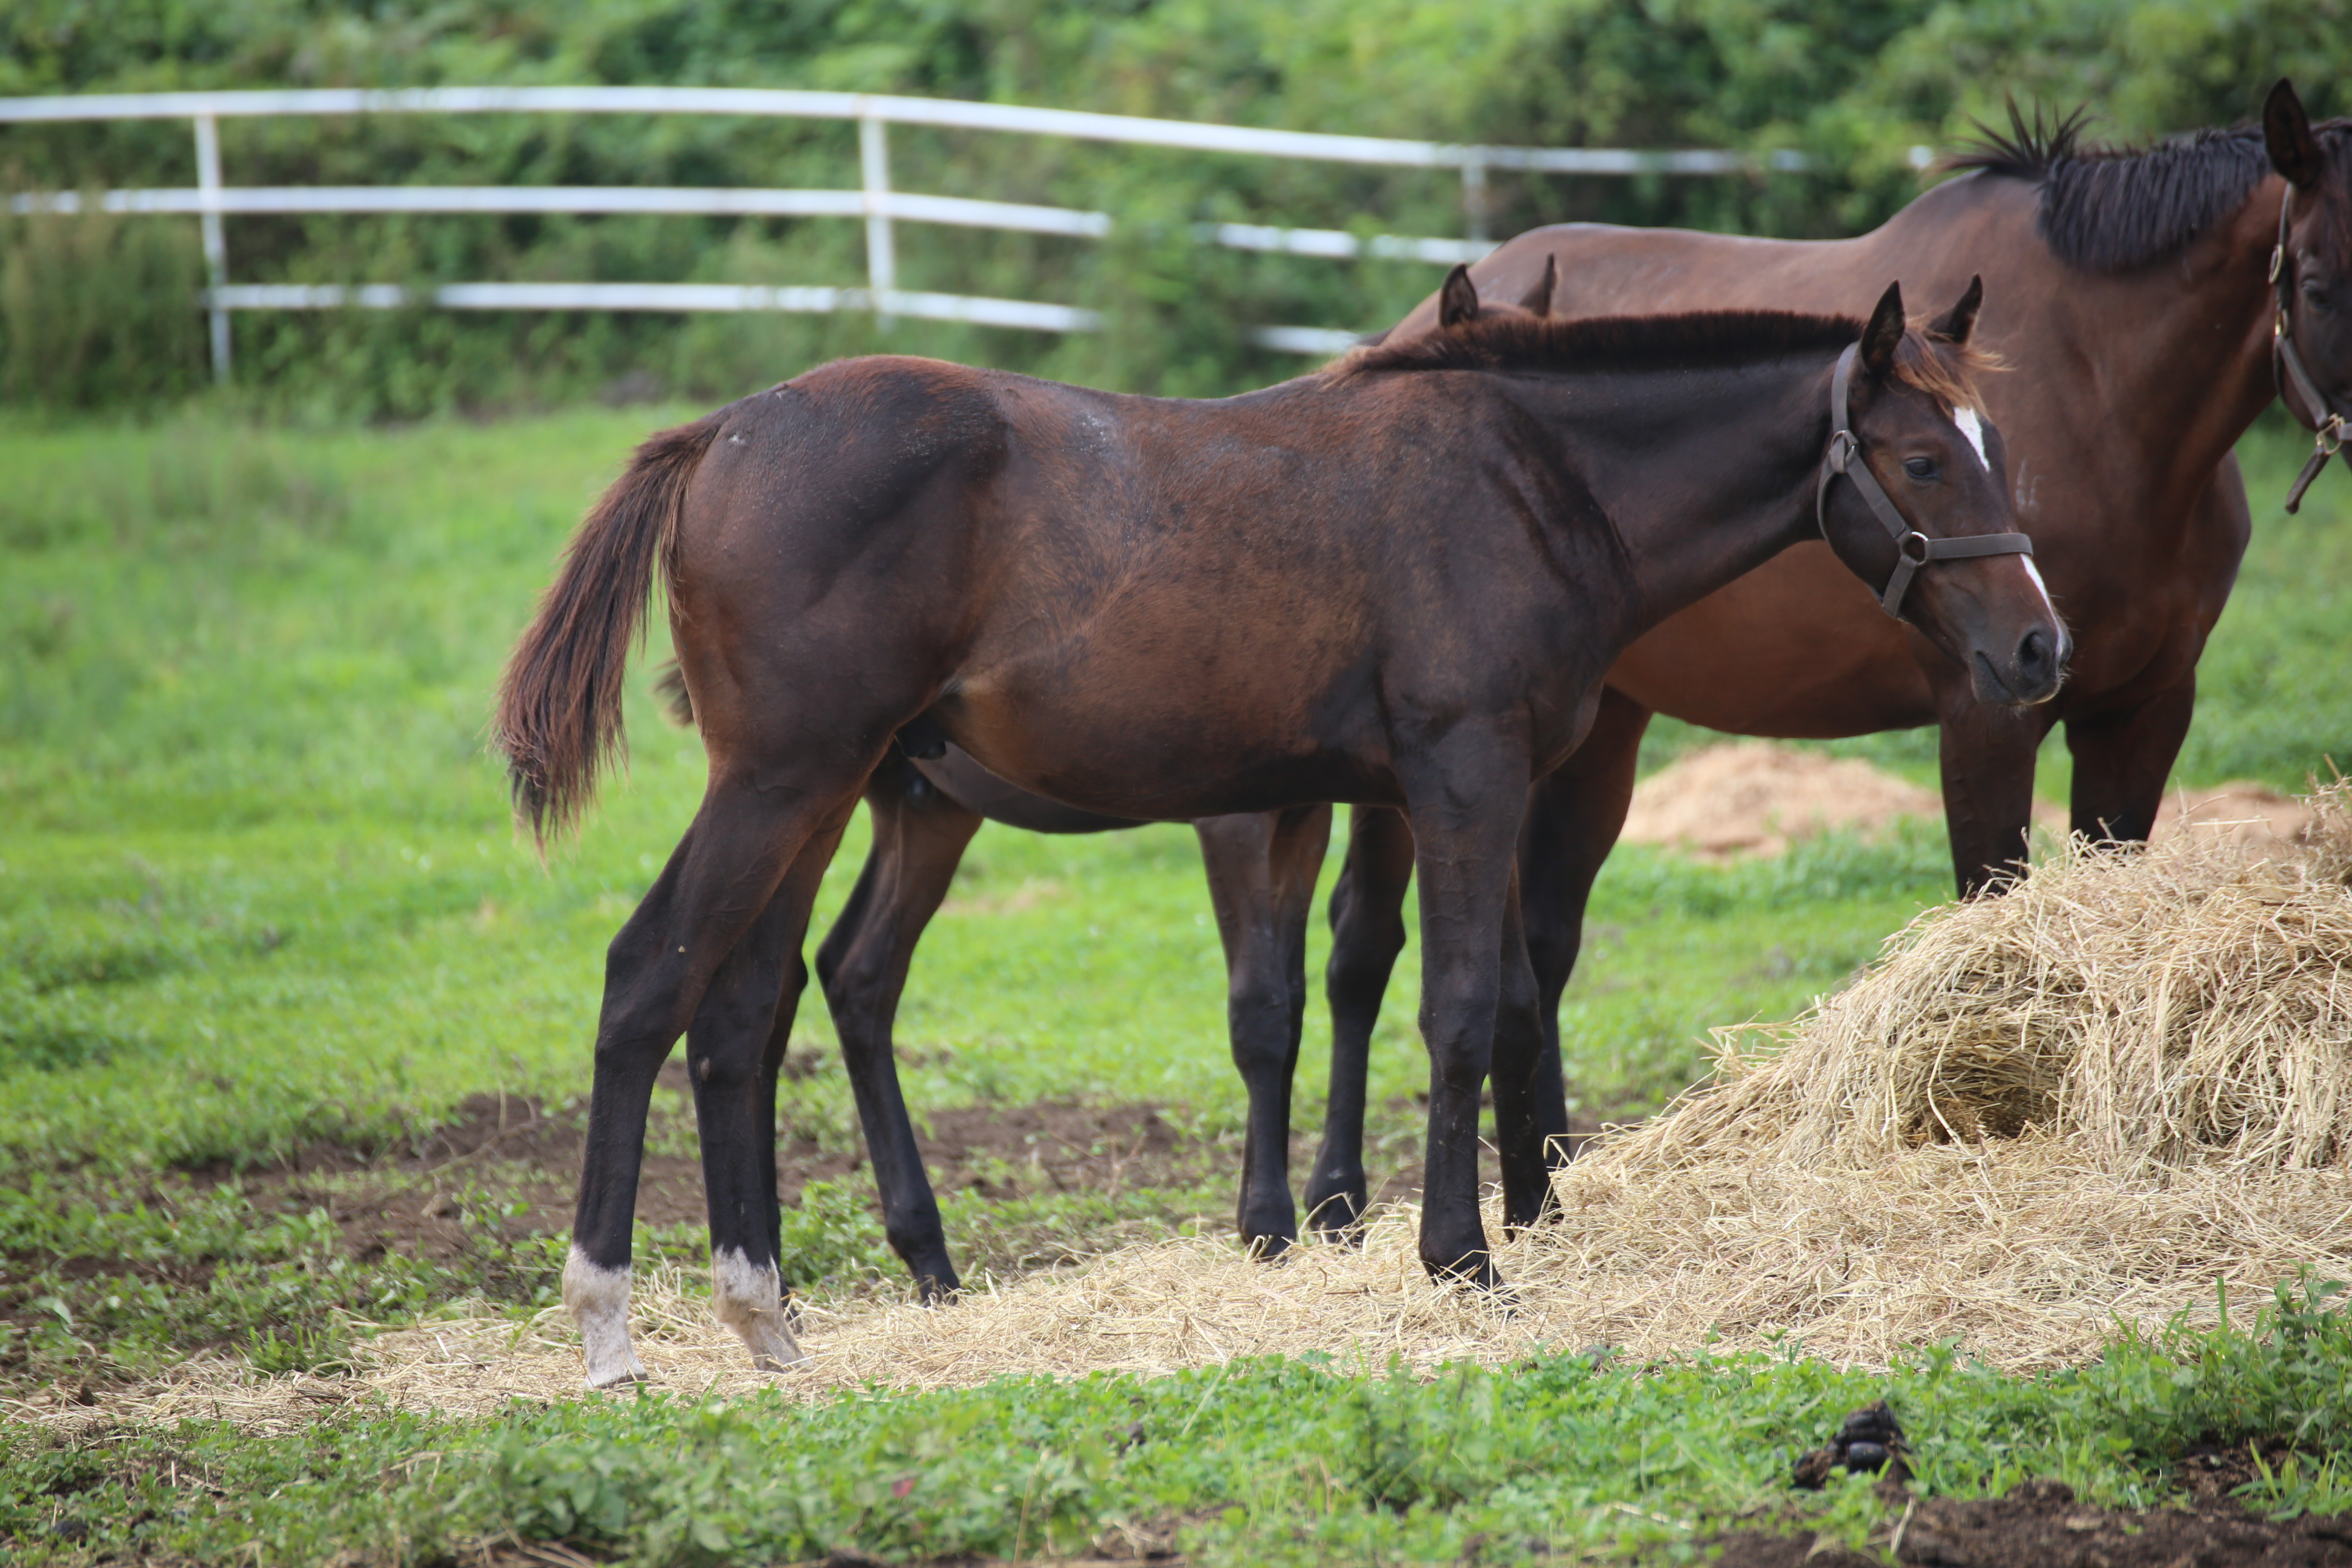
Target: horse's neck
[
  {"x": 1704, "y": 476},
  {"x": 2177, "y": 356}
]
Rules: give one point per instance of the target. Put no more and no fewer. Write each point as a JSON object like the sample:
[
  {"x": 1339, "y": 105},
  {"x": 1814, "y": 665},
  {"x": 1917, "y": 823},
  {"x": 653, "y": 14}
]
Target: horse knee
[{"x": 1260, "y": 1011}]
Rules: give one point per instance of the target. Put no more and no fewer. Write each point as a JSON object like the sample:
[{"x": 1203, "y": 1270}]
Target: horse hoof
[
  {"x": 1337, "y": 1217},
  {"x": 627, "y": 1371},
  {"x": 1476, "y": 1269},
  {"x": 1267, "y": 1248}
]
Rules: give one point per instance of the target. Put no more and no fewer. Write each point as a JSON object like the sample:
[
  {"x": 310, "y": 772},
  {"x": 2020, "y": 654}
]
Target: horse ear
[
  {"x": 1538, "y": 301},
  {"x": 1458, "y": 301},
  {"x": 1955, "y": 324},
  {"x": 1885, "y": 333},
  {"x": 2287, "y": 134}
]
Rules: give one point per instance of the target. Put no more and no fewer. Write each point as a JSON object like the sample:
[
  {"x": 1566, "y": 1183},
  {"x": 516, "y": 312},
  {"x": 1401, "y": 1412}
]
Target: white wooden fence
[{"x": 880, "y": 207}]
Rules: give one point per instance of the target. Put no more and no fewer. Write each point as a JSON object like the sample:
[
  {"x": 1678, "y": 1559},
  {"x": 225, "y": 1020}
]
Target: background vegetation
[{"x": 1856, "y": 87}]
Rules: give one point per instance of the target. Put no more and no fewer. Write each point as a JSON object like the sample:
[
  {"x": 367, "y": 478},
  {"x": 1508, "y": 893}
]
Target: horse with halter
[
  {"x": 928, "y": 800},
  {"x": 1395, "y": 582},
  {"x": 2149, "y": 304}
]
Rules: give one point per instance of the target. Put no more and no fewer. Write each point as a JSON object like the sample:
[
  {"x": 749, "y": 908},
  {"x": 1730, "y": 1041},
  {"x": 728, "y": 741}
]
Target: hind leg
[
  {"x": 1367, "y": 934},
  {"x": 1261, "y": 868},
  {"x": 919, "y": 837},
  {"x": 718, "y": 881},
  {"x": 733, "y": 1050}
]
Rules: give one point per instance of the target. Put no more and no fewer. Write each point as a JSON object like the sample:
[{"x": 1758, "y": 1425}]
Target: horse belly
[
  {"x": 1795, "y": 649},
  {"x": 1148, "y": 731}
]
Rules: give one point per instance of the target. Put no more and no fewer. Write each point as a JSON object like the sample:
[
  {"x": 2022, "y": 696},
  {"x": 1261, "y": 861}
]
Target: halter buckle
[
  {"x": 2278, "y": 260},
  {"x": 2329, "y": 437},
  {"x": 1926, "y": 548},
  {"x": 1842, "y": 446}
]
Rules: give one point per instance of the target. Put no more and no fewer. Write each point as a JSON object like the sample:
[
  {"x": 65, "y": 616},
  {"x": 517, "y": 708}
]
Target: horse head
[
  {"x": 1929, "y": 513},
  {"x": 2311, "y": 273}
]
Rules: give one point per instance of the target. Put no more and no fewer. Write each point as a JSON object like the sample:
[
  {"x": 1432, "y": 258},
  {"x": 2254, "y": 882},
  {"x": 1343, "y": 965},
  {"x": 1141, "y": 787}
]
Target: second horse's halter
[{"x": 2296, "y": 389}]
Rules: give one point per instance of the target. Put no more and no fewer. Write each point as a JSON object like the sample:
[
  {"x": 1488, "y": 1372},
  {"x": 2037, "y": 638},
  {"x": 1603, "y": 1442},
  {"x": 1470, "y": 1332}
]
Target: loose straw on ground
[{"x": 2035, "y": 1117}]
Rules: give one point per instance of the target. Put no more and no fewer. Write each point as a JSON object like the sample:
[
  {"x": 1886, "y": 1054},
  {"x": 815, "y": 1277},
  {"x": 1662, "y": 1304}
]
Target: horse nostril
[{"x": 2033, "y": 654}]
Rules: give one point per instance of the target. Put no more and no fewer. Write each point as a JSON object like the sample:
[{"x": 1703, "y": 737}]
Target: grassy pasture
[{"x": 259, "y": 898}]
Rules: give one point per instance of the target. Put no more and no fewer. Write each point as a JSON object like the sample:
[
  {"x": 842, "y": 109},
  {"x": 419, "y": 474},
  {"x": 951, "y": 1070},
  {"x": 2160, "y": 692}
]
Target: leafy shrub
[{"x": 98, "y": 309}]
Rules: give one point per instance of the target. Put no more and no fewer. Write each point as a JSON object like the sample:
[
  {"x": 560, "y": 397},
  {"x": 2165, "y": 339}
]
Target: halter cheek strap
[
  {"x": 2296, "y": 389},
  {"x": 1912, "y": 549}
]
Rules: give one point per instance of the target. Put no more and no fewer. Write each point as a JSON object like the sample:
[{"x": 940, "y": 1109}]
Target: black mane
[
  {"x": 2109, "y": 209},
  {"x": 1523, "y": 342}
]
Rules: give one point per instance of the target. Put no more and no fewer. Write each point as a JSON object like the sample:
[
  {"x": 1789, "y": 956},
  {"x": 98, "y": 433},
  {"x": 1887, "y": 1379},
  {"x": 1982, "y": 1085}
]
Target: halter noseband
[
  {"x": 2296, "y": 389},
  {"x": 1912, "y": 549}
]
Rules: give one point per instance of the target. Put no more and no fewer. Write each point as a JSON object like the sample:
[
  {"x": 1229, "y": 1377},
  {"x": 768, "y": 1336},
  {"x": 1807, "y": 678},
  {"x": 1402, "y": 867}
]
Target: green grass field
[{"x": 259, "y": 897}]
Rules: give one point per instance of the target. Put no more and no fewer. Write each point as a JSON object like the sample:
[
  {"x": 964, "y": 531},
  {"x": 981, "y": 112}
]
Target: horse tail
[{"x": 559, "y": 713}]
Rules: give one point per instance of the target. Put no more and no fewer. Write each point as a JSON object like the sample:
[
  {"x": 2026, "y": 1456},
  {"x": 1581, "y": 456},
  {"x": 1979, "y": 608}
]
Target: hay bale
[{"x": 2185, "y": 1007}]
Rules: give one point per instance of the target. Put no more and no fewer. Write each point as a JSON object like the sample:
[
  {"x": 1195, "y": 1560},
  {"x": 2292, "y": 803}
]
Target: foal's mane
[
  {"x": 1707, "y": 339},
  {"x": 2111, "y": 209}
]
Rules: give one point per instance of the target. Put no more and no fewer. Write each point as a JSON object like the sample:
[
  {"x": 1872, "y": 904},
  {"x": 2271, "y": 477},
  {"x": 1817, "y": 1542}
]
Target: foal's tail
[{"x": 559, "y": 718}]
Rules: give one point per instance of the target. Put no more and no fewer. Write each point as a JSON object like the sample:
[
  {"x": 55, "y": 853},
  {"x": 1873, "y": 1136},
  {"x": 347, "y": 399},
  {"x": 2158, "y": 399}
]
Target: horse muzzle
[{"x": 2028, "y": 674}]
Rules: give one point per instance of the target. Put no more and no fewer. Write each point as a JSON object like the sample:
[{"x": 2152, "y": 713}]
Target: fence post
[
  {"x": 208, "y": 191},
  {"x": 881, "y": 254},
  {"x": 1474, "y": 197}
]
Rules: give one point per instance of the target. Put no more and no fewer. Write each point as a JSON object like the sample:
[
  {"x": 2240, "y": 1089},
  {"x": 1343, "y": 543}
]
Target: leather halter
[
  {"x": 1912, "y": 549},
  {"x": 2296, "y": 389}
]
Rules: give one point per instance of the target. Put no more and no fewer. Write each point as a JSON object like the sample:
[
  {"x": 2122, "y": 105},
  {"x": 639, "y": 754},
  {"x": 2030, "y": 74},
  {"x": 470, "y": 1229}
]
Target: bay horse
[
  {"x": 1398, "y": 581},
  {"x": 2141, "y": 311}
]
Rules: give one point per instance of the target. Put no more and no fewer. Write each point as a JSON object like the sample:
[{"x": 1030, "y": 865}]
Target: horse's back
[{"x": 1607, "y": 269}]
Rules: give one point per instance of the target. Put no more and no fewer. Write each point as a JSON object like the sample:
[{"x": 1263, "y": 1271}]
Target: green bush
[
  {"x": 1855, "y": 89},
  {"x": 98, "y": 309}
]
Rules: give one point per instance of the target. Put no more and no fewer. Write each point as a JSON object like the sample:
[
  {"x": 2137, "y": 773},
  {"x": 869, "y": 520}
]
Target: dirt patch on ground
[
  {"x": 1752, "y": 798},
  {"x": 513, "y": 1148},
  {"x": 424, "y": 1201},
  {"x": 2246, "y": 813},
  {"x": 2041, "y": 1525}
]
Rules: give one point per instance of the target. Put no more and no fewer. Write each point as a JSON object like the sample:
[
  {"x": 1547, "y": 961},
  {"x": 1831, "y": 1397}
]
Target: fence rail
[{"x": 880, "y": 207}]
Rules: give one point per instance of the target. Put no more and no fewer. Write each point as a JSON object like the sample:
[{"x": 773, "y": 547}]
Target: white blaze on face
[
  {"x": 1973, "y": 428},
  {"x": 2034, "y": 573}
]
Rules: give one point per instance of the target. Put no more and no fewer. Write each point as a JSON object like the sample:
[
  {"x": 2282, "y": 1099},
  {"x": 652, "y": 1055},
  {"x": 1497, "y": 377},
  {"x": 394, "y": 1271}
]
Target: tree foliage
[{"x": 1854, "y": 87}]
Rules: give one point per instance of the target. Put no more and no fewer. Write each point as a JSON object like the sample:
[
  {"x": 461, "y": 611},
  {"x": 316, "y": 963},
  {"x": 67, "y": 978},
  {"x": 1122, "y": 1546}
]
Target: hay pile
[{"x": 2035, "y": 1116}]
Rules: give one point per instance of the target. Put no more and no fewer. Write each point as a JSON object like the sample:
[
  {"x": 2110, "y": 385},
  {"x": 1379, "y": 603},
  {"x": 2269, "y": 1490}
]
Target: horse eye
[
  {"x": 1920, "y": 469},
  {"x": 2314, "y": 293}
]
